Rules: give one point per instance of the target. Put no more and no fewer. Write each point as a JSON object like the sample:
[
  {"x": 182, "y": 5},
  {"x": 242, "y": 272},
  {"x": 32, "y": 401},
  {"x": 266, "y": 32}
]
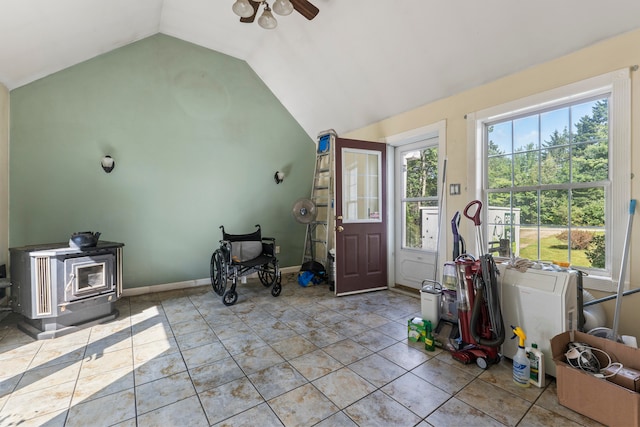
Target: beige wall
[{"x": 613, "y": 54}]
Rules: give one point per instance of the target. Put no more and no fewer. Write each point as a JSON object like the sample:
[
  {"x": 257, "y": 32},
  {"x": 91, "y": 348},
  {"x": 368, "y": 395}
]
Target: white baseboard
[
  {"x": 403, "y": 292},
  {"x": 142, "y": 290}
]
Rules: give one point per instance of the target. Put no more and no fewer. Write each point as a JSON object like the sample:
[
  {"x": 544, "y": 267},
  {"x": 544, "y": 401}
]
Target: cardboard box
[
  {"x": 593, "y": 397},
  {"x": 416, "y": 329}
]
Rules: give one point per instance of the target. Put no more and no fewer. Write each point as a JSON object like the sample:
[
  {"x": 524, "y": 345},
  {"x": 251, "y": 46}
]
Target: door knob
[{"x": 339, "y": 229}]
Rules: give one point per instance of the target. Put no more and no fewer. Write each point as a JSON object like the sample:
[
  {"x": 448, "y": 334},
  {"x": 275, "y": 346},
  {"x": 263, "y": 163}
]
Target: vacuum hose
[{"x": 492, "y": 302}]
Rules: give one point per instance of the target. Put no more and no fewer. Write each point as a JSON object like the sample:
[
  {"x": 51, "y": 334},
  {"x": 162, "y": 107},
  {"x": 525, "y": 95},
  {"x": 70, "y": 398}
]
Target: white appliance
[{"x": 543, "y": 303}]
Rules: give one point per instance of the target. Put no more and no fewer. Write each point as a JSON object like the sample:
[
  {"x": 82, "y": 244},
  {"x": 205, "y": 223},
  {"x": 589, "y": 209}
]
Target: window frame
[{"x": 618, "y": 84}]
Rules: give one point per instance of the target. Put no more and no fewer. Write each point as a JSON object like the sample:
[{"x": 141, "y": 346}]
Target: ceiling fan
[{"x": 248, "y": 9}]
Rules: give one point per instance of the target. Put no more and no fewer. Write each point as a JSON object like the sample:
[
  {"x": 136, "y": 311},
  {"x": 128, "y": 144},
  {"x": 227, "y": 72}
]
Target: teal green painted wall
[{"x": 196, "y": 137}]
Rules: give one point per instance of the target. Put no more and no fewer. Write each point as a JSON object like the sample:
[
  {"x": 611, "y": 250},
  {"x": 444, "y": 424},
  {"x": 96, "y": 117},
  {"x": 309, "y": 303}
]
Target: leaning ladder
[{"x": 319, "y": 237}]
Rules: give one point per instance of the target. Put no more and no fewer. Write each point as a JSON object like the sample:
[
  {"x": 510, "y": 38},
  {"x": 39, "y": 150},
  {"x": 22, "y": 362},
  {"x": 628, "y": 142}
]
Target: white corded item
[
  {"x": 614, "y": 373},
  {"x": 580, "y": 356}
]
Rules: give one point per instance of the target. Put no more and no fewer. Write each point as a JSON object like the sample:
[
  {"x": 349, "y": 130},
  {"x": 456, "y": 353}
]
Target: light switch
[{"x": 454, "y": 189}]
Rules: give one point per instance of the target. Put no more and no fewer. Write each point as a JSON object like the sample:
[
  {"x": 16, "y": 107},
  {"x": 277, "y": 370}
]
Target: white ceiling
[{"x": 357, "y": 62}]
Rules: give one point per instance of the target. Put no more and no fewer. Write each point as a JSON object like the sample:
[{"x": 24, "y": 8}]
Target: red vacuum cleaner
[{"x": 479, "y": 315}]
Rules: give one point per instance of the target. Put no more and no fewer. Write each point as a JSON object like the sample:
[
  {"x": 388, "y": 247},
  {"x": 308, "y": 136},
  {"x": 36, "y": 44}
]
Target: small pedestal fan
[{"x": 305, "y": 212}]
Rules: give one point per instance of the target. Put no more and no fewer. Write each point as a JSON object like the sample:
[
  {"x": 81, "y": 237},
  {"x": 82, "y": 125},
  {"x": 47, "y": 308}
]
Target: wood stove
[{"x": 59, "y": 289}]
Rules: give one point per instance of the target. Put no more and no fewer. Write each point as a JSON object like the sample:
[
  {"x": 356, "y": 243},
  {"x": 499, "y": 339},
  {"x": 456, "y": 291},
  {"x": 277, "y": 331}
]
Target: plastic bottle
[
  {"x": 450, "y": 276},
  {"x": 536, "y": 363},
  {"x": 521, "y": 370},
  {"x": 428, "y": 339}
]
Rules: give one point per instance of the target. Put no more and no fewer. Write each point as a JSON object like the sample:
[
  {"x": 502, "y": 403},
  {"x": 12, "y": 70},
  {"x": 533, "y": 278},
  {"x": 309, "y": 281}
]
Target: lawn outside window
[{"x": 553, "y": 172}]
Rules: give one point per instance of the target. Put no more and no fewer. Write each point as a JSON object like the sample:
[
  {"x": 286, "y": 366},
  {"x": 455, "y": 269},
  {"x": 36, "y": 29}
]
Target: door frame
[{"x": 439, "y": 130}]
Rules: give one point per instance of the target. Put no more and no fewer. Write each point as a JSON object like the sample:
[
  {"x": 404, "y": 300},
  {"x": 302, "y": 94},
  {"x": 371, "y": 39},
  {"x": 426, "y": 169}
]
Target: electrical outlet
[{"x": 277, "y": 249}]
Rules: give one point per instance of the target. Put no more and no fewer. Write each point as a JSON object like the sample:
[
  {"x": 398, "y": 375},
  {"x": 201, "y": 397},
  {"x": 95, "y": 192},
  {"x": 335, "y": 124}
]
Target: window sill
[
  {"x": 598, "y": 283},
  {"x": 590, "y": 281}
]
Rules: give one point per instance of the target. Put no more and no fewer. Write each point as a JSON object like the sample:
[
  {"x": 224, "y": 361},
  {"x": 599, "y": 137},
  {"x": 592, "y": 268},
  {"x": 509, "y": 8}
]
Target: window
[
  {"x": 361, "y": 185},
  {"x": 547, "y": 177},
  {"x": 553, "y": 173},
  {"x": 420, "y": 197}
]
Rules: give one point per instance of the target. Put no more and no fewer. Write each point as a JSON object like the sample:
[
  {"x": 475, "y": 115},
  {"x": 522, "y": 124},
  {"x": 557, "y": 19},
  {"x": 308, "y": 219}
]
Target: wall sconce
[
  {"x": 108, "y": 164},
  {"x": 278, "y": 177}
]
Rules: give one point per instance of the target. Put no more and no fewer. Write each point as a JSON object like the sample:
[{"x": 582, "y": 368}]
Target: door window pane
[
  {"x": 361, "y": 185},
  {"x": 421, "y": 221},
  {"x": 420, "y": 199}
]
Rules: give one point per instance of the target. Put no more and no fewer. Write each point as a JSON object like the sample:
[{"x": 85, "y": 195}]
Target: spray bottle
[
  {"x": 521, "y": 373},
  {"x": 536, "y": 364}
]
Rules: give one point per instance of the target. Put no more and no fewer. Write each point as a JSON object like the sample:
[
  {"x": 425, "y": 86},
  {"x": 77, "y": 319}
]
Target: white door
[{"x": 417, "y": 182}]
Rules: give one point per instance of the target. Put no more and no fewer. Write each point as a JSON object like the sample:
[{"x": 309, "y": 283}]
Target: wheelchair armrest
[
  {"x": 268, "y": 246},
  {"x": 225, "y": 245}
]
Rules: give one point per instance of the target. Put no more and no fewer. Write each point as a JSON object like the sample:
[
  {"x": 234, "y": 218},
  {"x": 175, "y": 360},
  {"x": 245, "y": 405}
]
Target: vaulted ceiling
[{"x": 357, "y": 62}]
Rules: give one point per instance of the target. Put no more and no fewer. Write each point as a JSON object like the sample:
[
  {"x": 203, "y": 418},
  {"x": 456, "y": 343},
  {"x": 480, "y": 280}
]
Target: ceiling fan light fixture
[
  {"x": 267, "y": 20},
  {"x": 282, "y": 7},
  {"x": 242, "y": 8}
]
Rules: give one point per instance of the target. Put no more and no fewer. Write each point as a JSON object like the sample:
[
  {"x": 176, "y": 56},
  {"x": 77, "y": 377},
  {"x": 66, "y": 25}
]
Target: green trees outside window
[
  {"x": 553, "y": 166},
  {"x": 420, "y": 199}
]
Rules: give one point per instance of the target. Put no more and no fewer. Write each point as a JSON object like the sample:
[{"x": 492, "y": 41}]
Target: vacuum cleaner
[{"x": 479, "y": 315}]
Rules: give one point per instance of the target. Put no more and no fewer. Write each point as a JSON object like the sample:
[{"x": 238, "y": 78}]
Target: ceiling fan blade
[
  {"x": 305, "y": 8},
  {"x": 255, "y": 5}
]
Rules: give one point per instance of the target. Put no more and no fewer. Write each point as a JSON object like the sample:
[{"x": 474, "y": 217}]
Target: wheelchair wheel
[
  {"x": 277, "y": 288},
  {"x": 230, "y": 297},
  {"x": 218, "y": 276},
  {"x": 268, "y": 274}
]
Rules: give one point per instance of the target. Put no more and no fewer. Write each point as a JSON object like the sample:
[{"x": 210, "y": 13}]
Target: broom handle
[
  {"x": 444, "y": 180},
  {"x": 623, "y": 268}
]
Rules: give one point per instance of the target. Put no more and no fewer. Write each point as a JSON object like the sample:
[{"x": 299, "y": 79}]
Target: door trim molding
[{"x": 438, "y": 129}]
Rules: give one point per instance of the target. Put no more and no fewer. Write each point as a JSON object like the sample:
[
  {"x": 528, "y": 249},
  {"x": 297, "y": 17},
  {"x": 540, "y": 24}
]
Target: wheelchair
[{"x": 240, "y": 255}]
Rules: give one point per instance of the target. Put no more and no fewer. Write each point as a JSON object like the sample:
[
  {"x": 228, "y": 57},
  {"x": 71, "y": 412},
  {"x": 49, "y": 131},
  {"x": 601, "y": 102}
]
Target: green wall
[{"x": 196, "y": 137}]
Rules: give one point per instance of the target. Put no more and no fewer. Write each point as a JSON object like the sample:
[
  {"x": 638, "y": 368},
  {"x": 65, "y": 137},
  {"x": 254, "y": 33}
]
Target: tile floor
[{"x": 182, "y": 358}]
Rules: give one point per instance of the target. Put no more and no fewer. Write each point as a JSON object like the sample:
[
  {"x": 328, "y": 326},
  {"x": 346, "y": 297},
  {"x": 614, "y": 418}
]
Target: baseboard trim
[
  {"x": 142, "y": 290},
  {"x": 406, "y": 290}
]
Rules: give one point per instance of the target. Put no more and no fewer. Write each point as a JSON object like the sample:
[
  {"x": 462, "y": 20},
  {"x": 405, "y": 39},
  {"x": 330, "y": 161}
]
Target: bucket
[{"x": 430, "y": 301}]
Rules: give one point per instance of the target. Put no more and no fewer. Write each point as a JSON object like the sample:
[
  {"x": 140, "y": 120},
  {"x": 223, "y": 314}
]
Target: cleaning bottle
[
  {"x": 536, "y": 363},
  {"x": 521, "y": 370},
  {"x": 428, "y": 339}
]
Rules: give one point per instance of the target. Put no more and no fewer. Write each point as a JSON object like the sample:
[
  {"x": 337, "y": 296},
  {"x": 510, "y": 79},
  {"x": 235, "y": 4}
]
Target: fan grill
[{"x": 304, "y": 211}]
